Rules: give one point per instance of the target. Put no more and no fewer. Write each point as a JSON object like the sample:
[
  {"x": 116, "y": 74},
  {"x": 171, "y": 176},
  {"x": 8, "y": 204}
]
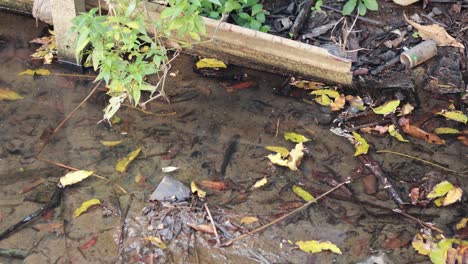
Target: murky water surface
[{"x": 192, "y": 135}]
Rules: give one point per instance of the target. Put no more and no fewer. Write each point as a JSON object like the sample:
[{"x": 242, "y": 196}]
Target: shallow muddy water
[{"x": 192, "y": 133}]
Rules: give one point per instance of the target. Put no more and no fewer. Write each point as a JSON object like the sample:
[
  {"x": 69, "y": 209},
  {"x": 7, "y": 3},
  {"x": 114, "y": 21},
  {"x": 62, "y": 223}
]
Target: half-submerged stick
[{"x": 279, "y": 219}]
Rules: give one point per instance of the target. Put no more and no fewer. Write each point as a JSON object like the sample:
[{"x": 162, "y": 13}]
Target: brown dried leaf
[
  {"x": 31, "y": 186},
  {"x": 214, "y": 185},
  {"x": 436, "y": 33},
  {"x": 416, "y": 132},
  {"x": 50, "y": 228}
]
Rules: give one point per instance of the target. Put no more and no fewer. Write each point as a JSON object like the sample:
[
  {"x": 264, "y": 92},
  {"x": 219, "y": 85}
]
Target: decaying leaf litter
[{"x": 251, "y": 181}]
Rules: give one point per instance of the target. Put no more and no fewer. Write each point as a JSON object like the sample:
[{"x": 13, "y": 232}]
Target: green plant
[
  {"x": 246, "y": 13},
  {"x": 318, "y": 5},
  {"x": 119, "y": 48},
  {"x": 362, "y": 6}
]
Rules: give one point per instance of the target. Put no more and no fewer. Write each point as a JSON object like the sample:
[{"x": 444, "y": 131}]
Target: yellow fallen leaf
[
  {"x": 9, "y": 95},
  {"x": 440, "y": 189},
  {"x": 74, "y": 177},
  {"x": 355, "y": 101},
  {"x": 278, "y": 160},
  {"x": 436, "y": 33},
  {"x": 123, "y": 163},
  {"x": 111, "y": 143},
  {"x": 156, "y": 241},
  {"x": 394, "y": 133},
  {"x": 194, "y": 188},
  {"x": 260, "y": 183},
  {"x": 314, "y": 246},
  {"x": 35, "y": 72},
  {"x": 454, "y": 115},
  {"x": 295, "y": 157},
  {"x": 283, "y": 151},
  {"x": 85, "y": 206},
  {"x": 210, "y": 63},
  {"x": 323, "y": 100},
  {"x": 294, "y": 137},
  {"x": 248, "y": 220},
  {"x": 387, "y": 108},
  {"x": 446, "y": 130},
  {"x": 327, "y": 92},
  {"x": 453, "y": 196},
  {"x": 360, "y": 144},
  {"x": 338, "y": 103},
  {"x": 306, "y": 196},
  {"x": 462, "y": 223}
]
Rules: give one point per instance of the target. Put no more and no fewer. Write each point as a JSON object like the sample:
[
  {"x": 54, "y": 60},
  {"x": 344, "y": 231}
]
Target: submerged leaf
[
  {"x": 323, "y": 100},
  {"x": 327, "y": 92},
  {"x": 74, "y": 177},
  {"x": 440, "y": 189},
  {"x": 123, "y": 163},
  {"x": 421, "y": 245},
  {"x": 462, "y": 223},
  {"x": 210, "y": 63},
  {"x": 306, "y": 196},
  {"x": 454, "y": 115},
  {"x": 248, "y": 220},
  {"x": 387, "y": 108},
  {"x": 9, "y": 95},
  {"x": 294, "y": 137},
  {"x": 394, "y": 133},
  {"x": 202, "y": 228},
  {"x": 360, "y": 144},
  {"x": 339, "y": 103},
  {"x": 85, "y": 206},
  {"x": 169, "y": 169},
  {"x": 35, "y": 72},
  {"x": 156, "y": 241},
  {"x": 406, "y": 109},
  {"x": 283, "y": 151},
  {"x": 260, "y": 183},
  {"x": 446, "y": 130},
  {"x": 110, "y": 143},
  {"x": 315, "y": 246},
  {"x": 195, "y": 189},
  {"x": 295, "y": 157},
  {"x": 277, "y": 159}
]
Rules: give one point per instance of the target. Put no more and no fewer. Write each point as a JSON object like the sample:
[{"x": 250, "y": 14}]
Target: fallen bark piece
[{"x": 301, "y": 18}]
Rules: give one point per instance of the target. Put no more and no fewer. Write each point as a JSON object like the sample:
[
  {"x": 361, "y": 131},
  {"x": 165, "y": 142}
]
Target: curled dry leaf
[
  {"x": 416, "y": 132},
  {"x": 453, "y": 196},
  {"x": 74, "y": 177},
  {"x": 294, "y": 159},
  {"x": 338, "y": 104},
  {"x": 360, "y": 144},
  {"x": 198, "y": 191},
  {"x": 436, "y": 33},
  {"x": 89, "y": 244},
  {"x": 202, "y": 228},
  {"x": 85, "y": 206}
]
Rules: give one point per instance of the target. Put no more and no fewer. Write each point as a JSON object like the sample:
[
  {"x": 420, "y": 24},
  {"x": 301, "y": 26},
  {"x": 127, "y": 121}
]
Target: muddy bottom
[{"x": 192, "y": 133}]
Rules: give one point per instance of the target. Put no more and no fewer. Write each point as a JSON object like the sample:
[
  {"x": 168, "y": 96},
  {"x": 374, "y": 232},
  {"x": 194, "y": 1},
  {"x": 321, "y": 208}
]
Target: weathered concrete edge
[
  {"x": 258, "y": 50},
  {"x": 254, "y": 49}
]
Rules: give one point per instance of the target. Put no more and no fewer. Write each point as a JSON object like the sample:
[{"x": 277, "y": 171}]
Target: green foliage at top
[
  {"x": 246, "y": 13},
  {"x": 362, "y": 6},
  {"x": 119, "y": 48}
]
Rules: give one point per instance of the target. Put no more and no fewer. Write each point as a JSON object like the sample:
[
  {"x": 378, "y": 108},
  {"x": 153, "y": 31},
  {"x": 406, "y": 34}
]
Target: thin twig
[
  {"x": 418, "y": 159},
  {"x": 279, "y": 219},
  {"x": 213, "y": 224},
  {"x": 68, "y": 117},
  {"x": 277, "y": 127},
  {"x": 425, "y": 224}
]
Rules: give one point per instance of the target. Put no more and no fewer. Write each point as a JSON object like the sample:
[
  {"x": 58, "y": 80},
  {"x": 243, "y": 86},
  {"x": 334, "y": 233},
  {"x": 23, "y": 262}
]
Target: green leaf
[
  {"x": 446, "y": 130},
  {"x": 328, "y": 92},
  {"x": 265, "y": 28},
  {"x": 314, "y": 246},
  {"x": 438, "y": 255},
  {"x": 349, "y": 7},
  {"x": 306, "y": 196},
  {"x": 387, "y": 108},
  {"x": 284, "y": 152},
  {"x": 440, "y": 189},
  {"x": 254, "y": 24},
  {"x": 260, "y": 17},
  {"x": 454, "y": 115},
  {"x": 362, "y": 10},
  {"x": 294, "y": 137},
  {"x": 394, "y": 133},
  {"x": 231, "y": 5},
  {"x": 371, "y": 5},
  {"x": 244, "y": 16},
  {"x": 216, "y": 2},
  {"x": 256, "y": 9}
]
